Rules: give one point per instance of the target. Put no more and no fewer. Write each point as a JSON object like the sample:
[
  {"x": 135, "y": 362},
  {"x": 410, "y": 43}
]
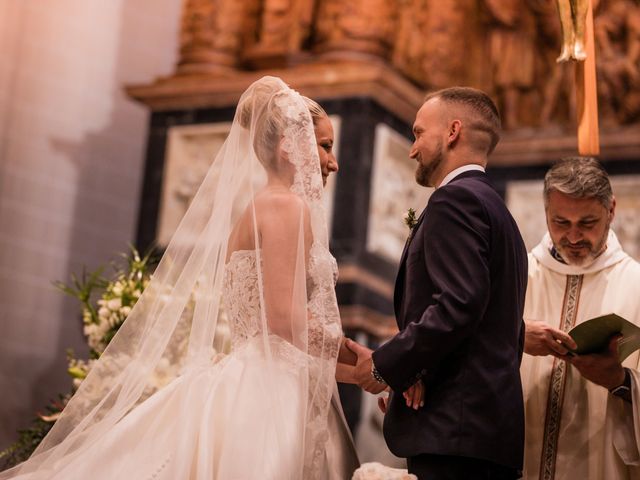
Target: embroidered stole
[{"x": 557, "y": 382}]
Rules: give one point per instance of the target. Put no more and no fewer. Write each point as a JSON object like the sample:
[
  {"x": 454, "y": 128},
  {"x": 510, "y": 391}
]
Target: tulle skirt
[{"x": 240, "y": 418}]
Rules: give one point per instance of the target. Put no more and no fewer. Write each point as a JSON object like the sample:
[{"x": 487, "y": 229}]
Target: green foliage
[
  {"x": 116, "y": 295},
  {"x": 29, "y": 438}
]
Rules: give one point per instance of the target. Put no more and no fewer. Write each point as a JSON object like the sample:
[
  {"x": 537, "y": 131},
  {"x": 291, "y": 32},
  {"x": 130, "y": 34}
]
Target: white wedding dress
[
  {"x": 268, "y": 409},
  {"x": 235, "y": 426}
]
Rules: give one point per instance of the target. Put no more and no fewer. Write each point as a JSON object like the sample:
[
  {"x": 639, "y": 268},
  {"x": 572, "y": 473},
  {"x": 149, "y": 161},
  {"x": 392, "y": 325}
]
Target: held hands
[
  {"x": 601, "y": 368},
  {"x": 540, "y": 339},
  {"x": 362, "y": 376},
  {"x": 362, "y": 372},
  {"x": 346, "y": 363}
]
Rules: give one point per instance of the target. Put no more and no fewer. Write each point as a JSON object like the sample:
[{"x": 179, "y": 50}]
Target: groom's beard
[{"x": 425, "y": 173}]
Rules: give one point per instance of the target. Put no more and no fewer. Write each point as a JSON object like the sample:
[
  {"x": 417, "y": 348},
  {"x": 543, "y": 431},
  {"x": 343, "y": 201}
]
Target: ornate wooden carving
[
  {"x": 212, "y": 34},
  {"x": 506, "y": 47},
  {"x": 427, "y": 34},
  {"x": 511, "y": 56},
  {"x": 283, "y": 28},
  {"x": 617, "y": 29},
  {"x": 357, "y": 26}
]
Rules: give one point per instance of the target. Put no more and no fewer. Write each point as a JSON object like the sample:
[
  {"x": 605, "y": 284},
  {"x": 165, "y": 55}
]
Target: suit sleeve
[{"x": 456, "y": 240}]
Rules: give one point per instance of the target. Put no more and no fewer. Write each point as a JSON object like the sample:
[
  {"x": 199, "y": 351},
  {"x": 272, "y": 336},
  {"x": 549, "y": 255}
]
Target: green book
[{"x": 593, "y": 335}]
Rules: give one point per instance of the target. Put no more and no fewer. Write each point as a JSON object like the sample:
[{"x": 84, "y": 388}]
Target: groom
[{"x": 458, "y": 300}]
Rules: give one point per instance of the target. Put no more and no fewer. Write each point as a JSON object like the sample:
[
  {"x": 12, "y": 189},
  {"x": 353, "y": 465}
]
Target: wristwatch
[
  {"x": 376, "y": 375},
  {"x": 623, "y": 391}
]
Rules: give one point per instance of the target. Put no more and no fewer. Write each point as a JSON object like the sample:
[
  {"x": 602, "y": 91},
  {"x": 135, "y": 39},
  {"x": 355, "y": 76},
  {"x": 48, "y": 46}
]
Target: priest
[{"x": 582, "y": 411}]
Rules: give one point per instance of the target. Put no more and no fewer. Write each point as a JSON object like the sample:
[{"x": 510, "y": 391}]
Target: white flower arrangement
[
  {"x": 377, "y": 471},
  {"x": 101, "y": 319}
]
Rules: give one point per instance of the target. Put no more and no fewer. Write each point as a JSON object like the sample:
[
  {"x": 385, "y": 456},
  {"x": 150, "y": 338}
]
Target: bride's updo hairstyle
[
  {"x": 261, "y": 114},
  {"x": 316, "y": 111}
]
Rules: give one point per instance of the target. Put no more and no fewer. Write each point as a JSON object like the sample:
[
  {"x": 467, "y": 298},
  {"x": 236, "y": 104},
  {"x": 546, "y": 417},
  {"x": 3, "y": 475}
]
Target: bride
[{"x": 255, "y": 240}]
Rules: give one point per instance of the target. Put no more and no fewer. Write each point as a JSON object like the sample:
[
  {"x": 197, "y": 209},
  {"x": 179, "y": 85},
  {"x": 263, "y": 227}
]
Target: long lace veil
[{"x": 261, "y": 198}]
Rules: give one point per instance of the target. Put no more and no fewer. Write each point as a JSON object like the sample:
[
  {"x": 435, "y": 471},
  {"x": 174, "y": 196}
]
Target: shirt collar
[{"x": 454, "y": 173}]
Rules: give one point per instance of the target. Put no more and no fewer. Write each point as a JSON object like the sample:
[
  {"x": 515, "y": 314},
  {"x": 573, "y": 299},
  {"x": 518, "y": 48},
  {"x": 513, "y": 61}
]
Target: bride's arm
[{"x": 285, "y": 239}]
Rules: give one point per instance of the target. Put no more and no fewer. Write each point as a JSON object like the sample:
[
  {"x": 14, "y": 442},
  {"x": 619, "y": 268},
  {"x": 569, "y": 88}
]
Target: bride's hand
[
  {"x": 345, "y": 355},
  {"x": 345, "y": 368},
  {"x": 383, "y": 402}
]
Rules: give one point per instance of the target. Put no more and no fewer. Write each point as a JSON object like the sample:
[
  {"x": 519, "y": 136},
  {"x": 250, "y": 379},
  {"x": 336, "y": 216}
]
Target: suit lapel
[
  {"x": 410, "y": 237},
  {"x": 399, "y": 286}
]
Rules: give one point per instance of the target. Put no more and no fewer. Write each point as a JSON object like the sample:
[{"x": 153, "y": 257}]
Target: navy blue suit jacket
[{"x": 458, "y": 301}]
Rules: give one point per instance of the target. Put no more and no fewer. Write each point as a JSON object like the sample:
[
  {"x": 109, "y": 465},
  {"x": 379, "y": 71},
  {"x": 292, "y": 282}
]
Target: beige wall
[{"x": 71, "y": 161}]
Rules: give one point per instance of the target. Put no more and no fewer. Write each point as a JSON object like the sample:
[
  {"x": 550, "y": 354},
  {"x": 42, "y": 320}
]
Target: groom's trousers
[{"x": 445, "y": 467}]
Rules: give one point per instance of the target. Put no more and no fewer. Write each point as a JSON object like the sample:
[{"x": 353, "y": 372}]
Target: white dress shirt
[{"x": 454, "y": 173}]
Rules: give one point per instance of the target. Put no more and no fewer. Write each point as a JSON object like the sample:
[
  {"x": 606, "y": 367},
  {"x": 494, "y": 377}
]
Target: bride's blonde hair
[{"x": 261, "y": 111}]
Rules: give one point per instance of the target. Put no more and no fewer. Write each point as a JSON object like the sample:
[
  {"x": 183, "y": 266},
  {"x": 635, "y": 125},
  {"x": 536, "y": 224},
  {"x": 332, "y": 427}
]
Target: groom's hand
[
  {"x": 362, "y": 373},
  {"x": 414, "y": 396}
]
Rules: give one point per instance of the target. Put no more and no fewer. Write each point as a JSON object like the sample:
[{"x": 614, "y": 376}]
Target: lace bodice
[
  {"x": 241, "y": 291},
  {"x": 242, "y": 301},
  {"x": 242, "y": 296}
]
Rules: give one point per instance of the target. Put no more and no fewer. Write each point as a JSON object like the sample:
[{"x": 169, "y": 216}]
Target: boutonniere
[{"x": 410, "y": 219}]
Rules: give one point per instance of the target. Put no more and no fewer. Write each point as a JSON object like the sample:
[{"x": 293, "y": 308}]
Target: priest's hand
[
  {"x": 601, "y": 368},
  {"x": 541, "y": 339},
  {"x": 363, "y": 375}
]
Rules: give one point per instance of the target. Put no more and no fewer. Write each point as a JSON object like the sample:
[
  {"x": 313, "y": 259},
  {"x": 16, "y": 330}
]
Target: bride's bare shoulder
[
  {"x": 279, "y": 201},
  {"x": 280, "y": 208}
]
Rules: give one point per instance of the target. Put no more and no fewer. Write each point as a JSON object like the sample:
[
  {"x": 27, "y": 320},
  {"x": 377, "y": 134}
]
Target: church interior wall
[{"x": 71, "y": 158}]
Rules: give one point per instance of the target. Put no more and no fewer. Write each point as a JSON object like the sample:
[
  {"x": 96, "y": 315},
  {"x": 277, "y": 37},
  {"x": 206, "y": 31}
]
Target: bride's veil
[{"x": 261, "y": 197}]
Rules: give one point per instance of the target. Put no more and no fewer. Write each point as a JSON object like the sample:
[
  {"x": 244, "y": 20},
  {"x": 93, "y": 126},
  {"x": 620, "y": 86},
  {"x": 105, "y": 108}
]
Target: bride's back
[{"x": 275, "y": 228}]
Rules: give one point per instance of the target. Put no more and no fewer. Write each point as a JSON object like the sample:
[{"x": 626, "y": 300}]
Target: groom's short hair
[{"x": 479, "y": 103}]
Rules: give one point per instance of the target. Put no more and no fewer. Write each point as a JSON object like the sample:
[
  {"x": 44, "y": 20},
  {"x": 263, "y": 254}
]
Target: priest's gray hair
[{"x": 579, "y": 177}]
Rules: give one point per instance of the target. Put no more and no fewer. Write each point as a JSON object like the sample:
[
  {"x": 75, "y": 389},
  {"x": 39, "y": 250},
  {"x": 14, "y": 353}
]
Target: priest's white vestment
[{"x": 576, "y": 429}]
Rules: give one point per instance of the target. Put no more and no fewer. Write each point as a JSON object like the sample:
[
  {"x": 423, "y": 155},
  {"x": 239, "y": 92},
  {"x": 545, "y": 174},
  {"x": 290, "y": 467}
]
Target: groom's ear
[{"x": 453, "y": 134}]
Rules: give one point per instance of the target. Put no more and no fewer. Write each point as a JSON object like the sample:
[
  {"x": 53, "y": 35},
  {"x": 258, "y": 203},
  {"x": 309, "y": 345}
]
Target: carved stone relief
[
  {"x": 190, "y": 152},
  {"x": 524, "y": 200},
  {"x": 393, "y": 191}
]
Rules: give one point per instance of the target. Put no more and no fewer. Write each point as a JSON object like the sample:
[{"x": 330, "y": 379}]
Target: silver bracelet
[{"x": 376, "y": 375}]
